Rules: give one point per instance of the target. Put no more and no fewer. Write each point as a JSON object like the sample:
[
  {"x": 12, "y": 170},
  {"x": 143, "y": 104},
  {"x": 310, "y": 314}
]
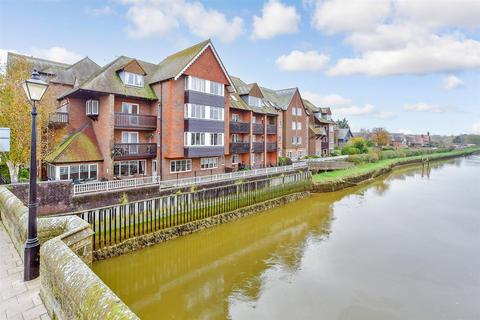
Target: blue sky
[{"x": 405, "y": 65}]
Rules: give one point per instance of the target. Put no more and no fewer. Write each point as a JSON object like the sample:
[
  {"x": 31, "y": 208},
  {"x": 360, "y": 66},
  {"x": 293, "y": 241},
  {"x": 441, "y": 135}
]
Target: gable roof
[
  {"x": 318, "y": 131},
  {"x": 173, "y": 66},
  {"x": 343, "y": 133},
  {"x": 77, "y": 73},
  {"x": 107, "y": 80},
  {"x": 42, "y": 65},
  {"x": 237, "y": 102},
  {"x": 80, "y": 146},
  {"x": 281, "y": 98},
  {"x": 310, "y": 106}
]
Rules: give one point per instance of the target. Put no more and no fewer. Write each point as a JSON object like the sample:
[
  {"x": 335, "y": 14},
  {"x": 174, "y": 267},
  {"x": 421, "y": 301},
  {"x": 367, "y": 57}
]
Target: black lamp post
[{"x": 34, "y": 89}]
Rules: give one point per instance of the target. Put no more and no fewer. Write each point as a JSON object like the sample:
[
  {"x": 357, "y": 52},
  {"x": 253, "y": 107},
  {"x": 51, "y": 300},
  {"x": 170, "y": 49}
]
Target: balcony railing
[
  {"x": 135, "y": 121},
  {"x": 258, "y": 147},
  {"x": 271, "y": 129},
  {"x": 239, "y": 147},
  {"x": 258, "y": 128},
  {"x": 58, "y": 118},
  {"x": 124, "y": 151},
  {"x": 324, "y": 145},
  {"x": 271, "y": 146},
  {"x": 239, "y": 127}
]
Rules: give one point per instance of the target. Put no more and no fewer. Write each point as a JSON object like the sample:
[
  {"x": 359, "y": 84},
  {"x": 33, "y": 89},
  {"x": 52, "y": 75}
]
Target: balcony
[
  {"x": 239, "y": 147},
  {"x": 239, "y": 127},
  {"x": 135, "y": 121},
  {"x": 258, "y": 128},
  {"x": 324, "y": 145},
  {"x": 126, "y": 151},
  {"x": 271, "y": 146},
  {"x": 58, "y": 118},
  {"x": 258, "y": 147},
  {"x": 271, "y": 129}
]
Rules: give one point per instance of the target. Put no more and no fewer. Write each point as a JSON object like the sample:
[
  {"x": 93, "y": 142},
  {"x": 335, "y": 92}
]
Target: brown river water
[{"x": 405, "y": 246}]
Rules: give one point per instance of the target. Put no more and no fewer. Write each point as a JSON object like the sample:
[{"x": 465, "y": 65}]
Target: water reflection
[{"x": 299, "y": 262}]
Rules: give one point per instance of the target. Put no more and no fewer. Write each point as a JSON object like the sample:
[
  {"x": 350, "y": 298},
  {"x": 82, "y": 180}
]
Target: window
[
  {"x": 93, "y": 172},
  {"x": 299, "y": 126},
  {"x": 203, "y": 139},
  {"x": 254, "y": 101},
  {"x": 92, "y": 108},
  {"x": 132, "y": 79},
  {"x": 294, "y": 113},
  {"x": 180, "y": 165},
  {"x": 290, "y": 154},
  {"x": 129, "y": 168},
  {"x": 74, "y": 173},
  {"x": 205, "y": 86},
  {"x": 63, "y": 173},
  {"x": 235, "y": 137},
  {"x": 216, "y": 139},
  {"x": 208, "y": 163},
  {"x": 132, "y": 108},
  {"x": 84, "y": 171},
  {"x": 235, "y": 117},
  {"x": 235, "y": 158},
  {"x": 198, "y": 111},
  {"x": 299, "y": 111},
  {"x": 294, "y": 125},
  {"x": 252, "y": 158}
]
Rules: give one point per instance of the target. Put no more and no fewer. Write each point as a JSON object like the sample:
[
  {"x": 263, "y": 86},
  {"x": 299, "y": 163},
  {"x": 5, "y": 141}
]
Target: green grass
[{"x": 340, "y": 175}]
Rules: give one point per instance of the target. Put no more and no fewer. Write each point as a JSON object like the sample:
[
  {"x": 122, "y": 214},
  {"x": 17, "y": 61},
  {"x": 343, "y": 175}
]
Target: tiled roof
[
  {"x": 107, "y": 80},
  {"x": 342, "y": 133},
  {"x": 77, "y": 73},
  {"x": 317, "y": 112},
  {"x": 319, "y": 131},
  {"x": 236, "y": 102},
  {"x": 172, "y": 65},
  {"x": 42, "y": 65},
  {"x": 80, "y": 146},
  {"x": 310, "y": 106}
]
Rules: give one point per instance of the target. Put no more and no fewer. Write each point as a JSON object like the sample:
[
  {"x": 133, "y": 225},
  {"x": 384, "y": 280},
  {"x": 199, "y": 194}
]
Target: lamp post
[{"x": 34, "y": 89}]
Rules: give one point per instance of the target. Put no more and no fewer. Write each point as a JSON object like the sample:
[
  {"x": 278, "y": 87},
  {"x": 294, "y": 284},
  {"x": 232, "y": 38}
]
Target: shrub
[
  {"x": 284, "y": 161},
  {"x": 358, "y": 158},
  {"x": 373, "y": 156}
]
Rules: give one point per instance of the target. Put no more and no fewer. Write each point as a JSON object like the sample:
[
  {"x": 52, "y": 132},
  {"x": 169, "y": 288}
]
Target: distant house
[
  {"x": 418, "y": 140},
  {"x": 342, "y": 136},
  {"x": 399, "y": 140},
  {"x": 320, "y": 130}
]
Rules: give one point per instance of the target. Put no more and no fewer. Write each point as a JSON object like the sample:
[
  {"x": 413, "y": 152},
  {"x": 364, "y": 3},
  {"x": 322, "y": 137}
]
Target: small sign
[{"x": 4, "y": 139}]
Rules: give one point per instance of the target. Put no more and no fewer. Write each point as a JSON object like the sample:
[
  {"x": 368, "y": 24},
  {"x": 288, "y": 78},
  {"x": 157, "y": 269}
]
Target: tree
[
  {"x": 343, "y": 124},
  {"x": 381, "y": 137},
  {"x": 15, "y": 113}
]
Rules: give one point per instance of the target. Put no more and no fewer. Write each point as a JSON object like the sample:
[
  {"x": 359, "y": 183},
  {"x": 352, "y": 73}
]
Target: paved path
[{"x": 18, "y": 299}]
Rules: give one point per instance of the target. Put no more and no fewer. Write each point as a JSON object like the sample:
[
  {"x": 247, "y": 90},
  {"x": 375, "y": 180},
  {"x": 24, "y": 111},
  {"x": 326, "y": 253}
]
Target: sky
[{"x": 408, "y": 66}]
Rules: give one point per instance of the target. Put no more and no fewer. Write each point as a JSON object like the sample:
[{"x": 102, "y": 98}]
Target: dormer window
[
  {"x": 92, "y": 108},
  {"x": 254, "y": 102},
  {"x": 132, "y": 79}
]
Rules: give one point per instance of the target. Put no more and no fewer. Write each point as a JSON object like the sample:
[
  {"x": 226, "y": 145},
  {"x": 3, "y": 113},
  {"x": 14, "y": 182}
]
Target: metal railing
[
  {"x": 258, "y": 147},
  {"x": 271, "y": 129},
  {"x": 239, "y": 127},
  {"x": 117, "y": 185},
  {"x": 239, "y": 147},
  {"x": 258, "y": 128},
  {"x": 123, "y": 151},
  {"x": 115, "y": 224},
  {"x": 271, "y": 146},
  {"x": 325, "y": 159},
  {"x": 135, "y": 121},
  {"x": 58, "y": 118}
]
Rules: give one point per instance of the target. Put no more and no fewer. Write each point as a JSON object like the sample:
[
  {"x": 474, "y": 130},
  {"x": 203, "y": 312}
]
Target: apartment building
[
  {"x": 134, "y": 118},
  {"x": 253, "y": 127},
  {"x": 320, "y": 130},
  {"x": 293, "y": 121}
]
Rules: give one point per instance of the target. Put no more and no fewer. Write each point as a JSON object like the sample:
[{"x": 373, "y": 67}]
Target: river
[{"x": 405, "y": 246}]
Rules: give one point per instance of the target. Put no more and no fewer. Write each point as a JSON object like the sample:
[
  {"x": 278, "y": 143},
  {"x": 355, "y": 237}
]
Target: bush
[
  {"x": 373, "y": 156},
  {"x": 284, "y": 161},
  {"x": 336, "y": 153},
  {"x": 358, "y": 158}
]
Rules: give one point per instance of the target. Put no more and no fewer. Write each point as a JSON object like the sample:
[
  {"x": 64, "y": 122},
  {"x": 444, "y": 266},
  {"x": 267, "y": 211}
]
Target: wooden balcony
[
  {"x": 258, "y": 147},
  {"x": 271, "y": 129},
  {"x": 271, "y": 146},
  {"x": 126, "y": 151},
  {"x": 58, "y": 118},
  {"x": 258, "y": 128},
  {"x": 135, "y": 121},
  {"x": 239, "y": 147},
  {"x": 239, "y": 127}
]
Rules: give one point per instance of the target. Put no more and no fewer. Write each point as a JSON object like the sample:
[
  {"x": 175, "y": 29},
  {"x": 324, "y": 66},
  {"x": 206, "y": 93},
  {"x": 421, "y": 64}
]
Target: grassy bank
[{"x": 369, "y": 170}]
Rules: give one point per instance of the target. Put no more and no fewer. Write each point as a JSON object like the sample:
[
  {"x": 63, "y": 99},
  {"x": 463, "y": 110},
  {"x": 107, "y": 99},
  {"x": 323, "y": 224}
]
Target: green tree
[{"x": 343, "y": 124}]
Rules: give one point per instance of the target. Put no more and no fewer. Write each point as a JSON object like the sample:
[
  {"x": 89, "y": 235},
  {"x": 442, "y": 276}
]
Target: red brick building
[{"x": 321, "y": 130}]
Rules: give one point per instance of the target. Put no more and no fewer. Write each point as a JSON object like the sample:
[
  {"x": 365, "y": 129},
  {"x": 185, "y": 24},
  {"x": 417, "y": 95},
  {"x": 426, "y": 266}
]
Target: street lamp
[{"x": 34, "y": 89}]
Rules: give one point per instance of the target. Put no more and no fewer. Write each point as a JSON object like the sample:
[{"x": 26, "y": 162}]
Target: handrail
[{"x": 114, "y": 185}]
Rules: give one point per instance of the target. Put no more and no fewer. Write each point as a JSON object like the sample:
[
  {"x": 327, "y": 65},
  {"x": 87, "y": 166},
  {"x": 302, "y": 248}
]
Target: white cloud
[
  {"x": 102, "y": 11},
  {"x": 423, "y": 107},
  {"x": 334, "y": 16},
  {"x": 392, "y": 37},
  {"x": 302, "y": 61},
  {"x": 452, "y": 82},
  {"x": 276, "y": 19},
  {"x": 354, "y": 110},
  {"x": 476, "y": 127},
  {"x": 331, "y": 100},
  {"x": 58, "y": 54},
  {"x": 385, "y": 115},
  {"x": 160, "y": 17}
]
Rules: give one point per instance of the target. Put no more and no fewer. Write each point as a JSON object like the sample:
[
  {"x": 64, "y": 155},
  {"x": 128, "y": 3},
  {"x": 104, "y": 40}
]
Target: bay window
[
  {"x": 198, "y": 111},
  {"x": 72, "y": 172}
]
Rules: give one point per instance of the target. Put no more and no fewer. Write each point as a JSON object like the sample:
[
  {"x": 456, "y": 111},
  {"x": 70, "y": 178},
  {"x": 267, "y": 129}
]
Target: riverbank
[{"x": 341, "y": 179}]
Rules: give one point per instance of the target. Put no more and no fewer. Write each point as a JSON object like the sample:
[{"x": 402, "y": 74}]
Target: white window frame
[
  {"x": 208, "y": 163},
  {"x": 199, "y": 111},
  {"x": 56, "y": 170},
  {"x": 130, "y": 107},
  {"x": 235, "y": 137},
  {"x": 133, "y": 79},
  {"x": 299, "y": 111},
  {"x": 92, "y": 107},
  {"x": 129, "y": 162},
  {"x": 205, "y": 139},
  {"x": 294, "y": 111},
  {"x": 299, "y": 126},
  {"x": 188, "y": 165},
  {"x": 205, "y": 86},
  {"x": 294, "y": 125}
]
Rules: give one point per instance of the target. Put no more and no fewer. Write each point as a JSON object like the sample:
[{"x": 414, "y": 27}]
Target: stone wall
[{"x": 191, "y": 227}]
